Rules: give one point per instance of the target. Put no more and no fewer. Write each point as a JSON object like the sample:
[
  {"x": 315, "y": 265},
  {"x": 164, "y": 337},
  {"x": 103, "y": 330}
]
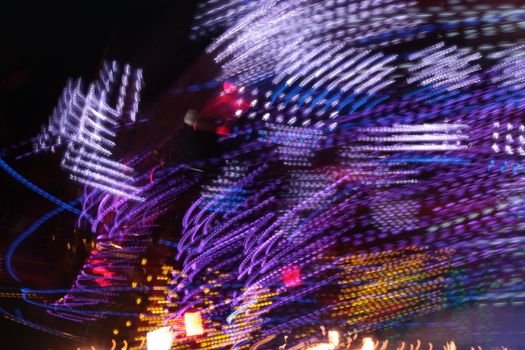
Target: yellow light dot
[
  {"x": 144, "y": 261},
  {"x": 128, "y": 323},
  {"x": 149, "y": 278},
  {"x": 115, "y": 331},
  {"x": 138, "y": 301}
]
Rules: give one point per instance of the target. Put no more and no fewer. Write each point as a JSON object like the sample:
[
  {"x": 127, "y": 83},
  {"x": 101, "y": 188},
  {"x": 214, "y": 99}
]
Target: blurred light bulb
[
  {"x": 193, "y": 323},
  {"x": 160, "y": 339},
  {"x": 368, "y": 344},
  {"x": 333, "y": 338},
  {"x": 322, "y": 346}
]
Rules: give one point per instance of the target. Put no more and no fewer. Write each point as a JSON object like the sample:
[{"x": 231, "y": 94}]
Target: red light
[
  {"x": 222, "y": 130},
  {"x": 292, "y": 276},
  {"x": 229, "y": 87},
  {"x": 102, "y": 282},
  {"x": 100, "y": 270}
]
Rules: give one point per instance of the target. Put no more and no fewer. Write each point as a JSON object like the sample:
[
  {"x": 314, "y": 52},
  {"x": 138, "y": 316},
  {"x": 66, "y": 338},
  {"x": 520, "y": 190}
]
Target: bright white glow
[
  {"x": 333, "y": 338},
  {"x": 193, "y": 322},
  {"x": 368, "y": 344},
  {"x": 333, "y": 342},
  {"x": 450, "y": 346},
  {"x": 160, "y": 339},
  {"x": 322, "y": 346}
]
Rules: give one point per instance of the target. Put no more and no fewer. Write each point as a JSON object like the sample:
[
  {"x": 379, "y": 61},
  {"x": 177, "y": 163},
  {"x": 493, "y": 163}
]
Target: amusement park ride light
[
  {"x": 193, "y": 323},
  {"x": 333, "y": 342},
  {"x": 368, "y": 344},
  {"x": 160, "y": 339}
]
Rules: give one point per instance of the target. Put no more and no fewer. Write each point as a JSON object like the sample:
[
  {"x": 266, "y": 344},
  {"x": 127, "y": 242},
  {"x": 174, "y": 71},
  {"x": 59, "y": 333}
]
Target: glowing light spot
[
  {"x": 368, "y": 344},
  {"x": 222, "y": 130},
  {"x": 229, "y": 87},
  {"x": 333, "y": 338},
  {"x": 160, "y": 339},
  {"x": 193, "y": 323},
  {"x": 292, "y": 276},
  {"x": 323, "y": 346}
]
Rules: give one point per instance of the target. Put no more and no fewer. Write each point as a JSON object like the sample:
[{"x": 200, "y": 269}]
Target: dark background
[{"x": 42, "y": 45}]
